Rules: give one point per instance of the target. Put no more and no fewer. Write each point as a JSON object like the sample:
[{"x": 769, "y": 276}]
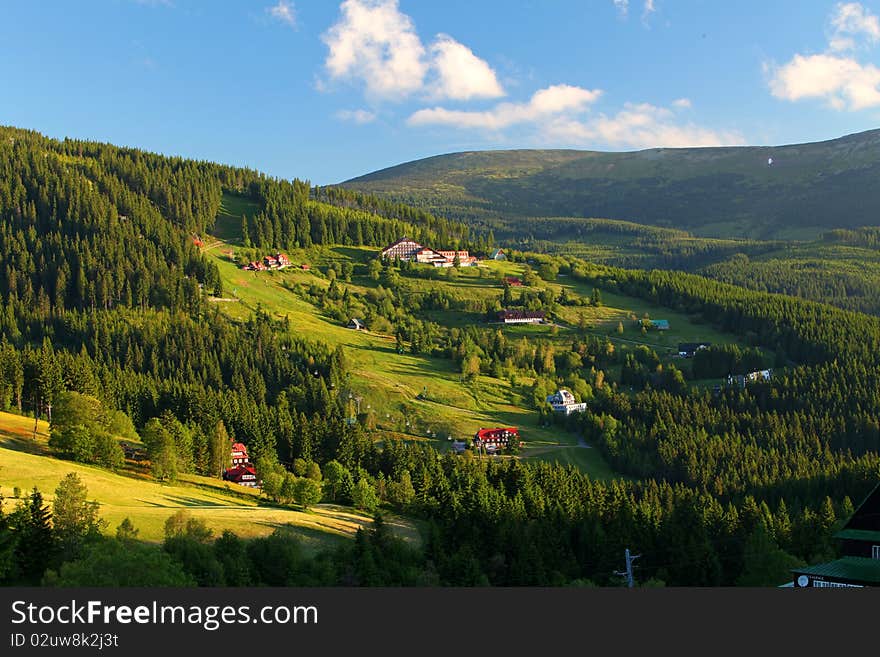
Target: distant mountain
[{"x": 762, "y": 192}]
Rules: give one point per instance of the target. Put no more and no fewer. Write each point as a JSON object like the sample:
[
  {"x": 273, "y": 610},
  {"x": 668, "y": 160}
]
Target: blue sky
[{"x": 329, "y": 89}]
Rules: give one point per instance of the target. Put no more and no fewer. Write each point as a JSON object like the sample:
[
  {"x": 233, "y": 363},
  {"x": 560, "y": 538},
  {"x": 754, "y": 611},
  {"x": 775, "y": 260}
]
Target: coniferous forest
[{"x": 106, "y": 330}]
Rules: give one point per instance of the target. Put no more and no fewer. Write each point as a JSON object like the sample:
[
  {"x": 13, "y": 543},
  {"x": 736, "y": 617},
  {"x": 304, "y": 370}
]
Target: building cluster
[
  {"x": 278, "y": 261},
  {"x": 562, "y": 401},
  {"x": 411, "y": 251},
  {"x": 752, "y": 377},
  {"x": 242, "y": 471}
]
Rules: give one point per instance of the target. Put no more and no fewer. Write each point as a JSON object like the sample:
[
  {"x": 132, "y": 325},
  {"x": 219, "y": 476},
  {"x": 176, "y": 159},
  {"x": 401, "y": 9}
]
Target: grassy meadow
[{"x": 25, "y": 462}]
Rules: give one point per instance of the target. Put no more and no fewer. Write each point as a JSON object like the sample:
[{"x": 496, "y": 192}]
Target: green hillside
[
  {"x": 148, "y": 504},
  {"x": 427, "y": 391},
  {"x": 722, "y": 192}
]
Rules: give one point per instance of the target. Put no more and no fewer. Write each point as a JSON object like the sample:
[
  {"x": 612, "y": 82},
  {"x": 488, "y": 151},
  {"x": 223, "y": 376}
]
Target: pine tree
[{"x": 36, "y": 546}]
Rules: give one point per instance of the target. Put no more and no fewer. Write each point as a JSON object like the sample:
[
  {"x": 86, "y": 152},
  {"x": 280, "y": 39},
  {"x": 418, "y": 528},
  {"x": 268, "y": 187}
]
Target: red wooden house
[{"x": 242, "y": 471}]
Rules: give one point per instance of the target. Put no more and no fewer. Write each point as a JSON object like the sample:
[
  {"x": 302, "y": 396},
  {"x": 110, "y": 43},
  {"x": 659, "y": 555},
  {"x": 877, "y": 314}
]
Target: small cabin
[{"x": 356, "y": 324}]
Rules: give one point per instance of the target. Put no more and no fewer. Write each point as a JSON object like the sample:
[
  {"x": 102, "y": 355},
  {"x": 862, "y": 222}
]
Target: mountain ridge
[{"x": 716, "y": 191}]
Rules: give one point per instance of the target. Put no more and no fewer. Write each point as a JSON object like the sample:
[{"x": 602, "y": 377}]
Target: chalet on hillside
[
  {"x": 356, "y": 324},
  {"x": 243, "y": 475},
  {"x": 498, "y": 254},
  {"x": 242, "y": 471},
  {"x": 492, "y": 440},
  {"x": 860, "y": 543},
  {"x": 404, "y": 248},
  {"x": 563, "y": 402},
  {"x": 688, "y": 349},
  {"x": 521, "y": 316},
  {"x": 513, "y": 281}
]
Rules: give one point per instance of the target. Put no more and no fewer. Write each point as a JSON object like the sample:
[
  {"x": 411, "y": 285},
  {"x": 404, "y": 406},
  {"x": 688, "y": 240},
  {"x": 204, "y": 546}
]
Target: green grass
[
  {"x": 228, "y": 224},
  {"x": 26, "y": 463}
]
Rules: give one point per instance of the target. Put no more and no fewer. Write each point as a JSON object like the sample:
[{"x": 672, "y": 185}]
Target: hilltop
[{"x": 719, "y": 192}]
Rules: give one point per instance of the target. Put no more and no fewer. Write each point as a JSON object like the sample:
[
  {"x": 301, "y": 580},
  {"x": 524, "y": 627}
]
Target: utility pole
[{"x": 629, "y": 568}]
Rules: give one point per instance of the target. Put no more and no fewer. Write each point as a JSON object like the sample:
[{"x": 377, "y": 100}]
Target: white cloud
[
  {"x": 359, "y": 116},
  {"x": 842, "y": 81},
  {"x": 682, "y": 103},
  {"x": 461, "y": 74},
  {"x": 851, "y": 20},
  {"x": 553, "y": 101},
  {"x": 375, "y": 43},
  {"x": 556, "y": 115},
  {"x": 638, "y": 125},
  {"x": 284, "y": 12},
  {"x": 834, "y": 76},
  {"x": 648, "y": 8}
]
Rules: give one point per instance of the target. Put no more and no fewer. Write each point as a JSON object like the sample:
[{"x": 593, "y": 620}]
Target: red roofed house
[
  {"x": 494, "y": 439},
  {"x": 243, "y": 475},
  {"x": 271, "y": 261},
  {"x": 513, "y": 281},
  {"x": 242, "y": 471},
  {"x": 283, "y": 260},
  {"x": 239, "y": 454}
]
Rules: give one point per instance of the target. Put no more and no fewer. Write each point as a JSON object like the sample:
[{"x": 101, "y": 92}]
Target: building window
[{"x": 875, "y": 551}]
